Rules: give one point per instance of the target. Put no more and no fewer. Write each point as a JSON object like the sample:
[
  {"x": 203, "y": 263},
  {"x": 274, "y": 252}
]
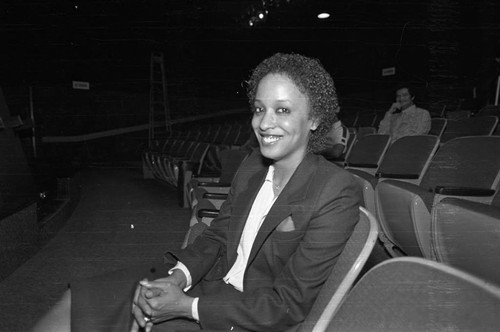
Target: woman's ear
[{"x": 314, "y": 124}]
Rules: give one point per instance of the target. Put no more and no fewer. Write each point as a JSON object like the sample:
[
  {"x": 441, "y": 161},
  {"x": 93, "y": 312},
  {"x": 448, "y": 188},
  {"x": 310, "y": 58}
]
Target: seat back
[
  {"x": 366, "y": 130},
  {"x": 438, "y": 126},
  {"x": 366, "y": 119},
  {"x": 460, "y": 114},
  {"x": 415, "y": 294},
  {"x": 344, "y": 273},
  {"x": 367, "y": 152},
  {"x": 489, "y": 110},
  {"x": 408, "y": 158},
  {"x": 465, "y": 162},
  {"x": 466, "y": 235},
  {"x": 475, "y": 126},
  {"x": 349, "y": 118},
  {"x": 230, "y": 161}
]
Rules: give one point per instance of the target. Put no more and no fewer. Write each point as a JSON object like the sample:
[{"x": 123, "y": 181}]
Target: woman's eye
[
  {"x": 258, "y": 110},
  {"x": 283, "y": 110}
]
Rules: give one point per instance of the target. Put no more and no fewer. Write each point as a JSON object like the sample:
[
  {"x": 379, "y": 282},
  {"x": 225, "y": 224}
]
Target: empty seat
[
  {"x": 475, "y": 126},
  {"x": 465, "y": 167},
  {"x": 349, "y": 117},
  {"x": 406, "y": 159},
  {"x": 365, "y": 119},
  {"x": 466, "y": 235},
  {"x": 460, "y": 114},
  {"x": 415, "y": 294},
  {"x": 493, "y": 110},
  {"x": 367, "y": 152},
  {"x": 197, "y": 187},
  {"x": 438, "y": 126}
]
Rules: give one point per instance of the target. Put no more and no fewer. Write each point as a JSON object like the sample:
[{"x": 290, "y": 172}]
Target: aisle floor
[{"x": 120, "y": 220}]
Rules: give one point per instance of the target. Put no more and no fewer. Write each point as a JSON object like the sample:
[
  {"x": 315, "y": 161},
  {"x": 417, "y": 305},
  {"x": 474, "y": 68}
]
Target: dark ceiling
[{"x": 208, "y": 43}]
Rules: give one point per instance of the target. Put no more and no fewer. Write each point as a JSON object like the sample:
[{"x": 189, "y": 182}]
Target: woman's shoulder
[{"x": 328, "y": 170}]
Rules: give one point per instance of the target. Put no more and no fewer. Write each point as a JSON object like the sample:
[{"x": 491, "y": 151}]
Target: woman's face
[{"x": 281, "y": 120}]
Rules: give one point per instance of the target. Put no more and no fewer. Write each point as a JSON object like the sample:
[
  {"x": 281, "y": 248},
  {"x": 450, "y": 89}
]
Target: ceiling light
[{"x": 323, "y": 16}]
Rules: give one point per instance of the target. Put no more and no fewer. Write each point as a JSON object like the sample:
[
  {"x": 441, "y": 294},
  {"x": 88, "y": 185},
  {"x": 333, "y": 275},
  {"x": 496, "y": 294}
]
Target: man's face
[{"x": 404, "y": 98}]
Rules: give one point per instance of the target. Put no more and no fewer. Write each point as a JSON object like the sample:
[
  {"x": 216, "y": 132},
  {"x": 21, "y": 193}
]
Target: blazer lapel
[
  {"x": 239, "y": 213},
  {"x": 295, "y": 191}
]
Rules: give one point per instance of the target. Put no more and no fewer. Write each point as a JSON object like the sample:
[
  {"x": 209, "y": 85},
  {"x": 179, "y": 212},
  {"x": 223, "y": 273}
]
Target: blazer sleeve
[{"x": 290, "y": 297}]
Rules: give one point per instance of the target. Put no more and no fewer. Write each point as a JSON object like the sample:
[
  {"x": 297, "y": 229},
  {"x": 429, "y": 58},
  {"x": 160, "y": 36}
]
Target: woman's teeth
[{"x": 270, "y": 139}]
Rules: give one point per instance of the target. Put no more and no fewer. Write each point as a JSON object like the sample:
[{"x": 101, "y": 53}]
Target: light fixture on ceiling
[
  {"x": 323, "y": 16},
  {"x": 258, "y": 13}
]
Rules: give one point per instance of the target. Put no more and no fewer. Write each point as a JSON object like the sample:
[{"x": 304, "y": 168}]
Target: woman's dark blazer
[{"x": 295, "y": 249}]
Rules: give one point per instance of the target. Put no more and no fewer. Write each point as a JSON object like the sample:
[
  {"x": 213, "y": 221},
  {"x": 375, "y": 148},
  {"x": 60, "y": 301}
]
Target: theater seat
[
  {"x": 415, "y": 294},
  {"x": 343, "y": 276},
  {"x": 344, "y": 273},
  {"x": 465, "y": 167},
  {"x": 367, "y": 152},
  {"x": 406, "y": 160},
  {"x": 466, "y": 235}
]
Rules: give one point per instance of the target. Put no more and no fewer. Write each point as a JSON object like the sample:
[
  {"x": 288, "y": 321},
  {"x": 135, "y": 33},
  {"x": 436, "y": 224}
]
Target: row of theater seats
[
  {"x": 372, "y": 118},
  {"x": 194, "y": 152},
  {"x": 445, "y": 129}
]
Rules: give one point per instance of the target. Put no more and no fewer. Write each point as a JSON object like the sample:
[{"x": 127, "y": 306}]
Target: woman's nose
[{"x": 268, "y": 120}]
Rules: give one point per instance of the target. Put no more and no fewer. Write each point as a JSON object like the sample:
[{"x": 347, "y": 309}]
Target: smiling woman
[{"x": 261, "y": 263}]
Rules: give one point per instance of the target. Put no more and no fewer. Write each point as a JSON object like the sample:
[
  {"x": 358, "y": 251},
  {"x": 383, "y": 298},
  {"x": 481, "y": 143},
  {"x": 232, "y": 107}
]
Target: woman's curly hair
[{"x": 312, "y": 80}]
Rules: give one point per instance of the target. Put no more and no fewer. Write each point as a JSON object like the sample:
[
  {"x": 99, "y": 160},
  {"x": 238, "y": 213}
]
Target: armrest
[
  {"x": 464, "y": 191},
  {"x": 362, "y": 165},
  {"x": 214, "y": 196},
  {"x": 213, "y": 184},
  {"x": 208, "y": 213},
  {"x": 396, "y": 176}
]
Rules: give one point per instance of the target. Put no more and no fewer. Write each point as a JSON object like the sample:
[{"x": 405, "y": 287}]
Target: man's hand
[{"x": 394, "y": 107}]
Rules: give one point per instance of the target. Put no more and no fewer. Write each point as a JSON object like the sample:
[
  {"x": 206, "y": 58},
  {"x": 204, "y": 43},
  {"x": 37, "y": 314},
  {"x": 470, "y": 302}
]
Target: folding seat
[
  {"x": 406, "y": 159},
  {"x": 475, "y": 126},
  {"x": 344, "y": 274},
  {"x": 167, "y": 162},
  {"x": 438, "y": 126},
  {"x": 152, "y": 158},
  {"x": 197, "y": 187},
  {"x": 216, "y": 146},
  {"x": 246, "y": 132},
  {"x": 493, "y": 110},
  {"x": 466, "y": 235},
  {"x": 367, "y": 153},
  {"x": 232, "y": 135},
  {"x": 181, "y": 170},
  {"x": 465, "y": 167},
  {"x": 366, "y": 119},
  {"x": 416, "y": 294},
  {"x": 353, "y": 135},
  {"x": 349, "y": 118},
  {"x": 363, "y": 131},
  {"x": 460, "y": 114}
]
